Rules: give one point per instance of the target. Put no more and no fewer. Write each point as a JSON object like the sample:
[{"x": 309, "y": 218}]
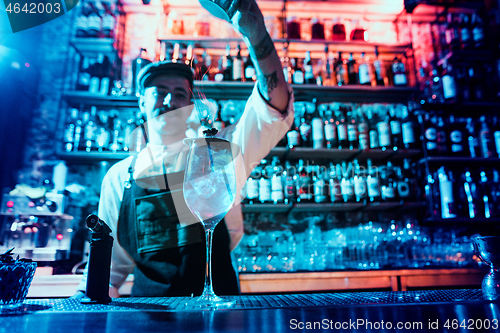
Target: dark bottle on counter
[
  {"x": 290, "y": 180},
  {"x": 472, "y": 139},
  {"x": 486, "y": 139},
  {"x": 304, "y": 183},
  {"x": 352, "y": 73},
  {"x": 373, "y": 182},
  {"x": 457, "y": 137},
  {"x": 396, "y": 130},
  {"x": 441, "y": 137}
]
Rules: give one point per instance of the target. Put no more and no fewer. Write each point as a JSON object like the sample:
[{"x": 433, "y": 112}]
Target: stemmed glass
[{"x": 209, "y": 192}]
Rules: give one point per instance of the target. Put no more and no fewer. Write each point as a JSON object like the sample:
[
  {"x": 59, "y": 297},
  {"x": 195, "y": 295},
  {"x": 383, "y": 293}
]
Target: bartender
[{"x": 156, "y": 237}]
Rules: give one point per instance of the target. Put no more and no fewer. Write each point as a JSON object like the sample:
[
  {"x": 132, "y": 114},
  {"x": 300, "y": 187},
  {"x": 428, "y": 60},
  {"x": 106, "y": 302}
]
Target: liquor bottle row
[
  {"x": 96, "y": 19},
  {"x": 331, "y": 70},
  {"x": 102, "y": 131},
  {"x": 369, "y": 245},
  {"x": 346, "y": 126},
  {"x": 461, "y": 31},
  {"x": 99, "y": 75},
  {"x": 337, "y": 70},
  {"x": 459, "y": 136},
  {"x": 339, "y": 183},
  {"x": 458, "y": 83},
  {"x": 469, "y": 193},
  {"x": 315, "y": 30}
]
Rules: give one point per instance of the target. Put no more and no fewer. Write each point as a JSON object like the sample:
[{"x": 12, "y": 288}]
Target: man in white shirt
[{"x": 156, "y": 238}]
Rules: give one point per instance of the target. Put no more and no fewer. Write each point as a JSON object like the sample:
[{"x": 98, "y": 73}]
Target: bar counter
[{"x": 400, "y": 311}]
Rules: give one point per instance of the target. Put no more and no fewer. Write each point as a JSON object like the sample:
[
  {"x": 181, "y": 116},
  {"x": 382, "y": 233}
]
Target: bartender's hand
[
  {"x": 113, "y": 292},
  {"x": 249, "y": 21}
]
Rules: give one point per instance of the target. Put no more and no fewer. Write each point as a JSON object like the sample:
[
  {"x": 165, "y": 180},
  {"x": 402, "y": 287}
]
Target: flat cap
[{"x": 148, "y": 72}]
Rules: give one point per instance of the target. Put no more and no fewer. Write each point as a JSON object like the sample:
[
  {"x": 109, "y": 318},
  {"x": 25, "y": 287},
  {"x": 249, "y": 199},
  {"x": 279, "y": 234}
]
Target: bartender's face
[{"x": 167, "y": 104}]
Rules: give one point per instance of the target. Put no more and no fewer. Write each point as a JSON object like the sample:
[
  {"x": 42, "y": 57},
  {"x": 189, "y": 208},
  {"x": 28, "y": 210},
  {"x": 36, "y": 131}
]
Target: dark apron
[{"x": 170, "y": 259}]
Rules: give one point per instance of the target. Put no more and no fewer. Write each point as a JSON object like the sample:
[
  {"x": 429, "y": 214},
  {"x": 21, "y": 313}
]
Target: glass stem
[{"x": 208, "y": 291}]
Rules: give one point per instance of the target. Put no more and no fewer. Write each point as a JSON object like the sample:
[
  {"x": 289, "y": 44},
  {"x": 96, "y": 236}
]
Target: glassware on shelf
[{"x": 209, "y": 192}]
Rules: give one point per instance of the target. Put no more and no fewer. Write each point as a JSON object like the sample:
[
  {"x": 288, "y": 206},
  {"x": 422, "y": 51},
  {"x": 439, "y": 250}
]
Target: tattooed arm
[{"x": 271, "y": 82}]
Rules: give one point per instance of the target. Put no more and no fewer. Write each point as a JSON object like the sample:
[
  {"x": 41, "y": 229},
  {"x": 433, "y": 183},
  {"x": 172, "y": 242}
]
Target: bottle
[
  {"x": 318, "y": 136},
  {"x": 372, "y": 129},
  {"x": 448, "y": 81},
  {"x": 346, "y": 184},
  {"x": 448, "y": 209},
  {"x": 106, "y": 75},
  {"x": 138, "y": 63},
  {"x": 77, "y": 144},
  {"x": 328, "y": 77},
  {"x": 410, "y": 177},
  {"x": 487, "y": 201},
  {"x": 476, "y": 81},
  {"x": 486, "y": 140},
  {"x": 252, "y": 185},
  {"x": 308, "y": 69},
  {"x": 293, "y": 137},
  {"x": 94, "y": 21},
  {"x": 472, "y": 194},
  {"x": 363, "y": 132},
  {"x": 472, "y": 138},
  {"x": 342, "y": 131},
  {"x": 373, "y": 182},
  {"x": 441, "y": 137},
  {"x": 408, "y": 128},
  {"x": 90, "y": 129},
  {"x": 352, "y": 131},
  {"x": 379, "y": 69},
  {"x": 264, "y": 183},
  {"x": 305, "y": 130},
  {"x": 465, "y": 32},
  {"x": 384, "y": 132},
  {"x": 388, "y": 183},
  {"x": 496, "y": 135},
  {"x": 456, "y": 138},
  {"x": 396, "y": 129},
  {"x": 250, "y": 74},
  {"x": 103, "y": 133},
  {"x": 340, "y": 71},
  {"x": 331, "y": 140},
  {"x": 317, "y": 29},
  {"x": 432, "y": 195},
  {"x": 334, "y": 180},
  {"x": 293, "y": 28},
  {"x": 452, "y": 33},
  {"x": 277, "y": 195},
  {"x": 430, "y": 134},
  {"x": 81, "y": 22},
  {"x": 338, "y": 30},
  {"x": 298, "y": 73},
  {"x": 364, "y": 71},
  {"x": 227, "y": 65},
  {"x": 358, "y": 33},
  {"x": 83, "y": 81},
  {"x": 403, "y": 184},
  {"x": 478, "y": 38},
  {"x": 359, "y": 181},
  {"x": 290, "y": 179},
  {"x": 96, "y": 74},
  {"x": 399, "y": 72},
  {"x": 304, "y": 183},
  {"x": 108, "y": 21},
  {"x": 495, "y": 192},
  {"x": 320, "y": 183},
  {"x": 69, "y": 133},
  {"x": 352, "y": 73},
  {"x": 238, "y": 65}
]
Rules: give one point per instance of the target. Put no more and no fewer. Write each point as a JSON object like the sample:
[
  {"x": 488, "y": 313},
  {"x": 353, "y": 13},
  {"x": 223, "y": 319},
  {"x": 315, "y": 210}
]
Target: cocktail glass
[{"x": 488, "y": 250}]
